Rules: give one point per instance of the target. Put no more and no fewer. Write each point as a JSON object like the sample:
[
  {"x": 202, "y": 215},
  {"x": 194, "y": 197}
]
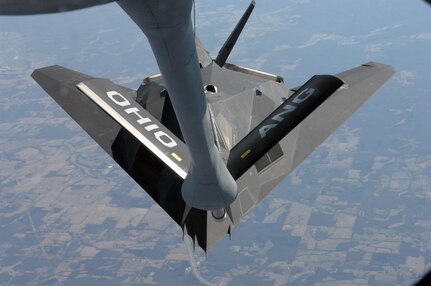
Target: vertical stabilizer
[{"x": 230, "y": 42}]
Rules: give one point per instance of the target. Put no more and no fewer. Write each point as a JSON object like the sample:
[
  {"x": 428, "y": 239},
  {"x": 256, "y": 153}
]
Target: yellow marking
[
  {"x": 245, "y": 153},
  {"x": 179, "y": 159}
]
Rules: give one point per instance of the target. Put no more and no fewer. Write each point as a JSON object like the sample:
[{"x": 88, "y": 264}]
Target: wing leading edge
[{"x": 139, "y": 122}]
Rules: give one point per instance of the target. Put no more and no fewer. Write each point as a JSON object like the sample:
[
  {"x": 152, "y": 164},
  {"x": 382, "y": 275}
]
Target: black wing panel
[{"x": 280, "y": 122}]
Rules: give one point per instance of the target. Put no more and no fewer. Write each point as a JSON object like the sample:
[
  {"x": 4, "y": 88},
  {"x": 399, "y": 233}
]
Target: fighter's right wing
[{"x": 359, "y": 84}]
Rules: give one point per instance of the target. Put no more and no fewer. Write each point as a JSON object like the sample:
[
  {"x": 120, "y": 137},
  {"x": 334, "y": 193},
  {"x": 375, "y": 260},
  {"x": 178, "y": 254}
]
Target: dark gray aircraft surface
[{"x": 206, "y": 139}]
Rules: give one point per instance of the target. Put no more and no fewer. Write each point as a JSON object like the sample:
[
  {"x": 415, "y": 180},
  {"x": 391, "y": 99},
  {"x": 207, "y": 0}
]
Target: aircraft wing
[
  {"x": 115, "y": 127},
  {"x": 359, "y": 84}
]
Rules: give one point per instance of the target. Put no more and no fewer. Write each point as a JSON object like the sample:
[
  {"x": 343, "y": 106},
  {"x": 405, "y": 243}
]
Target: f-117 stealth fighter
[{"x": 206, "y": 139}]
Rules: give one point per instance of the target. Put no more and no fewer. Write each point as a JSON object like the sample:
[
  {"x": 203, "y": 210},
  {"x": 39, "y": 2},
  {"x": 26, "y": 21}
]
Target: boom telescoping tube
[{"x": 168, "y": 27}]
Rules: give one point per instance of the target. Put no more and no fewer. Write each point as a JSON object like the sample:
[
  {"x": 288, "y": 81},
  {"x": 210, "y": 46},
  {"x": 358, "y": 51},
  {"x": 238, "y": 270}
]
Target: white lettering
[
  {"x": 264, "y": 129},
  {"x": 301, "y": 97},
  {"x": 161, "y": 136},
  {"x": 170, "y": 143},
  {"x": 134, "y": 110},
  {"x": 151, "y": 127},
  {"x": 124, "y": 102},
  {"x": 288, "y": 108},
  {"x": 307, "y": 92}
]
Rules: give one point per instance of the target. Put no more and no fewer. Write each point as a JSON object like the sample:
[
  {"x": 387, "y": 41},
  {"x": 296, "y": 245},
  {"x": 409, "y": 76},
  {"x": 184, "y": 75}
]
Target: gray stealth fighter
[{"x": 206, "y": 139}]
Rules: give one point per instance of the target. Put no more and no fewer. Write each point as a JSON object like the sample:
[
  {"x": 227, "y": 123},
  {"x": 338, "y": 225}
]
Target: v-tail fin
[{"x": 231, "y": 41}]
